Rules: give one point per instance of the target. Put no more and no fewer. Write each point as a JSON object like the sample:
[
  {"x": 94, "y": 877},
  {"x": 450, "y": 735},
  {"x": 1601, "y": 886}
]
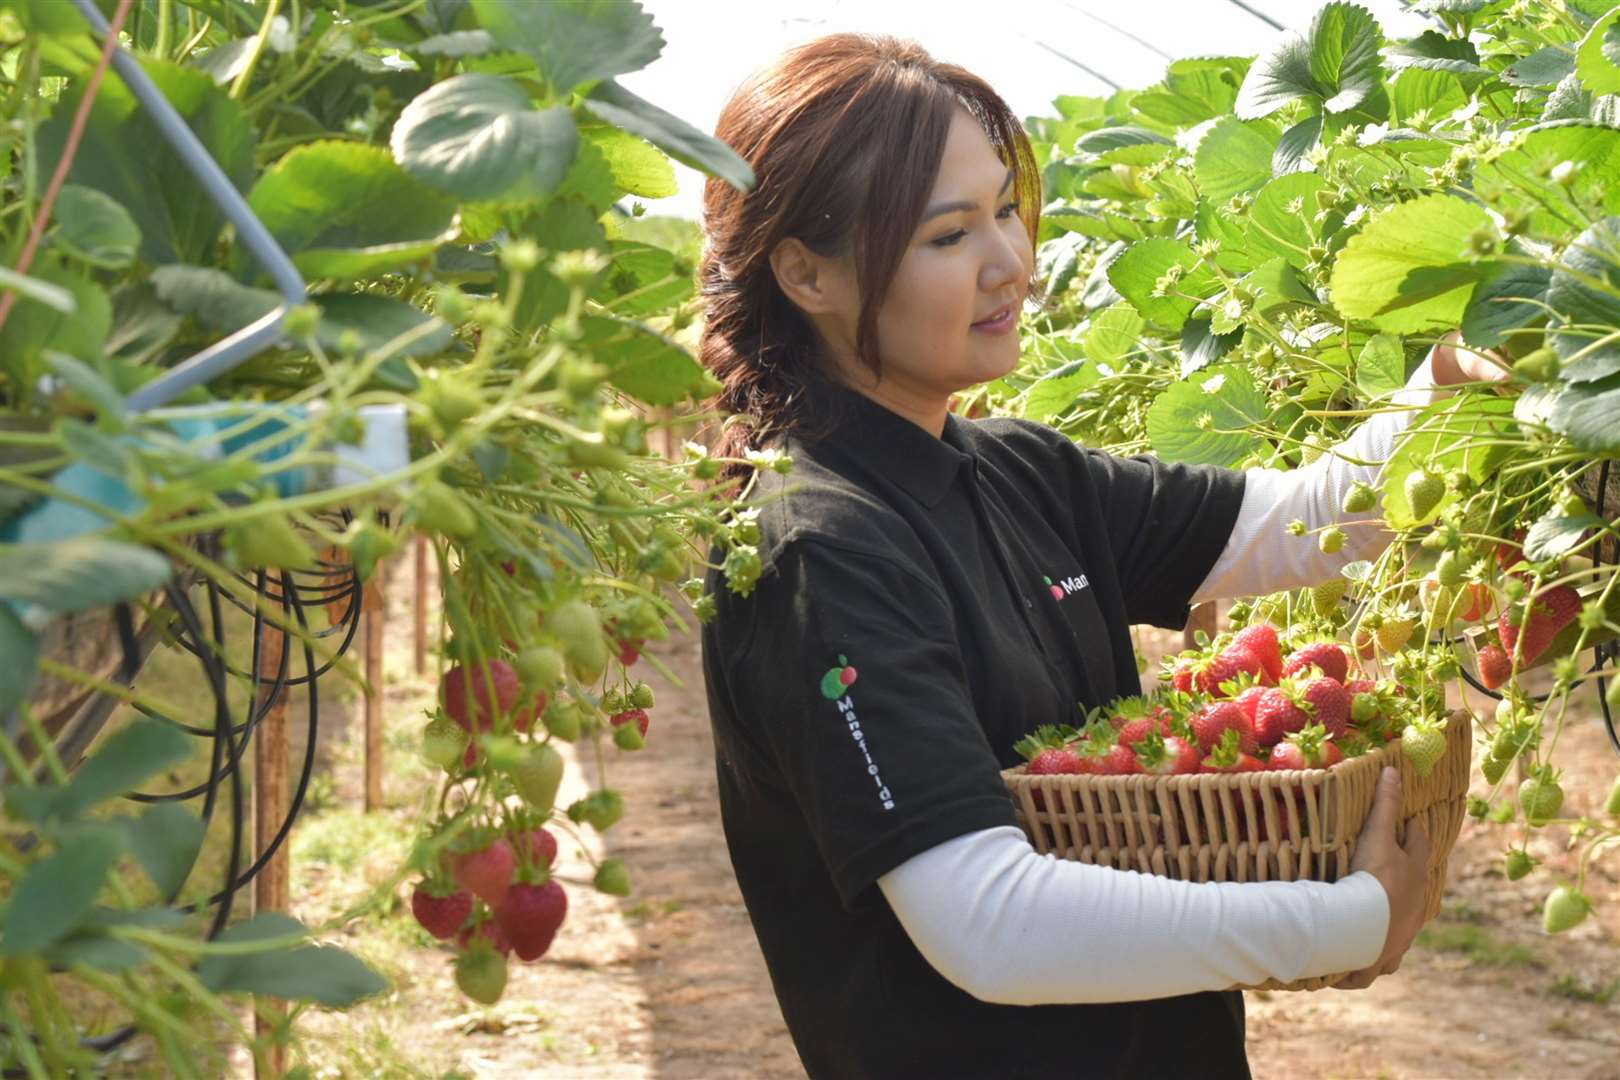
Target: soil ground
[{"x": 669, "y": 983}]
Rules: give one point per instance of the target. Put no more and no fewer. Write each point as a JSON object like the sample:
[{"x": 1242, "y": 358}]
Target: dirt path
[{"x": 669, "y": 983}]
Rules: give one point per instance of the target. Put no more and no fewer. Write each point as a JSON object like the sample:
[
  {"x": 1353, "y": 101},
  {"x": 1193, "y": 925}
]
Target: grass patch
[
  {"x": 1577, "y": 989},
  {"x": 1478, "y": 945}
]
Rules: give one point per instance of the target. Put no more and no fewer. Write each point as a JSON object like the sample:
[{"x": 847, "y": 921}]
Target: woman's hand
[
  {"x": 1454, "y": 362},
  {"x": 1402, "y": 871}
]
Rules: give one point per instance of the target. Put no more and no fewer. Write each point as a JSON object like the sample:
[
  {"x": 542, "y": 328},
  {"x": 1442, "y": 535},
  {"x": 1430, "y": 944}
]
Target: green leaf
[
  {"x": 480, "y": 137},
  {"x": 455, "y": 43},
  {"x": 1554, "y": 535},
  {"x": 1381, "y": 367},
  {"x": 680, "y": 140},
  {"x": 52, "y": 296},
  {"x": 80, "y": 573},
  {"x": 127, "y": 757},
  {"x": 1345, "y": 40},
  {"x": 638, "y": 167},
  {"x": 320, "y": 973},
  {"x": 95, "y": 228},
  {"x": 1279, "y": 76},
  {"x": 124, "y": 156},
  {"x": 1114, "y": 333},
  {"x": 46, "y": 16},
  {"x": 1144, "y": 263},
  {"x": 1406, "y": 270},
  {"x": 220, "y": 302},
  {"x": 1055, "y": 391},
  {"x": 1127, "y": 145},
  {"x": 1275, "y": 284},
  {"x": 1597, "y": 57},
  {"x": 1296, "y": 144},
  {"x": 165, "y": 841},
  {"x": 19, "y": 661},
  {"x": 1587, "y": 414},
  {"x": 575, "y": 41},
  {"x": 1282, "y": 218},
  {"x": 645, "y": 364},
  {"x": 1544, "y": 67},
  {"x": 1058, "y": 262},
  {"x": 1586, "y": 309},
  {"x": 1201, "y": 346},
  {"x": 1521, "y": 174},
  {"x": 59, "y": 890},
  {"x": 1510, "y": 301},
  {"x": 89, "y": 384},
  {"x": 32, "y": 328},
  {"x": 344, "y": 210},
  {"x": 1435, "y": 93},
  {"x": 1206, "y": 420},
  {"x": 1234, "y": 157}
]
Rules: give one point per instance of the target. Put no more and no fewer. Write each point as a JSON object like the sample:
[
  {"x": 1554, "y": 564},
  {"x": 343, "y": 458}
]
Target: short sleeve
[
  {"x": 1167, "y": 524},
  {"x": 854, "y": 689}
]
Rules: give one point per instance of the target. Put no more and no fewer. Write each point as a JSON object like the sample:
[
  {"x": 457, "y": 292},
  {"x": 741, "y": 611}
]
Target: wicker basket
[{"x": 1198, "y": 828}]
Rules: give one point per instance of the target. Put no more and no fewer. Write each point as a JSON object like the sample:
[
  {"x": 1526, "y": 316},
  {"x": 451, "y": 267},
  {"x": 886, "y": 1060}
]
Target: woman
[{"x": 906, "y": 630}]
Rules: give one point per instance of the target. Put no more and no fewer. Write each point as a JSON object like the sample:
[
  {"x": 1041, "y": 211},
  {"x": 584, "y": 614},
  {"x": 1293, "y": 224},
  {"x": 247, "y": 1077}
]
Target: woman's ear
[{"x": 812, "y": 282}]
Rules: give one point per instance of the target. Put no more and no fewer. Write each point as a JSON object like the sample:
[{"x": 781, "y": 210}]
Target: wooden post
[
  {"x": 419, "y": 609},
  {"x": 375, "y": 615},
  {"x": 271, "y": 889},
  {"x": 1202, "y": 618}
]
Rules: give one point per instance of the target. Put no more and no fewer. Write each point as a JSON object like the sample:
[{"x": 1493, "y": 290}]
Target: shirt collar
[{"x": 884, "y": 443}]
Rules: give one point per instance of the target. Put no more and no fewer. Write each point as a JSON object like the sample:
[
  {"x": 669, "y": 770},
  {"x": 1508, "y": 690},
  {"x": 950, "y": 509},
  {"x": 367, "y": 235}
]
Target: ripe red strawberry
[
  {"x": 1360, "y": 686},
  {"x": 1182, "y": 677},
  {"x": 629, "y": 650},
  {"x": 530, "y": 915},
  {"x": 1055, "y": 760},
  {"x": 1120, "y": 760},
  {"x": 1140, "y": 728},
  {"x": 1228, "y": 756},
  {"x": 489, "y": 932},
  {"x": 1224, "y": 667},
  {"x": 523, "y": 718},
  {"x": 487, "y": 872},
  {"x": 441, "y": 914},
  {"x": 1495, "y": 666},
  {"x": 1327, "y": 655},
  {"x": 539, "y": 845},
  {"x": 1509, "y": 552},
  {"x": 1249, "y": 701},
  {"x": 1277, "y": 715},
  {"x": 1211, "y": 722},
  {"x": 1261, "y": 640},
  {"x": 1551, "y": 610},
  {"x": 638, "y": 715},
  {"x": 1308, "y": 748},
  {"x": 453, "y": 693},
  {"x": 1168, "y": 755},
  {"x": 1329, "y": 704}
]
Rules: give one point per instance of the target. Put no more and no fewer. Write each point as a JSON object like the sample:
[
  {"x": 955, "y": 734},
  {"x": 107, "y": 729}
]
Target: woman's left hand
[{"x": 1454, "y": 362}]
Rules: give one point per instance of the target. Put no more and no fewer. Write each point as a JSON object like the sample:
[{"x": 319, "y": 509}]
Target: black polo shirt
[{"x": 926, "y": 603}]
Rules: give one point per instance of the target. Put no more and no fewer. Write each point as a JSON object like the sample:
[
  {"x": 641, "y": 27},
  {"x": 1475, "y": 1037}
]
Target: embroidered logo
[
  {"x": 1068, "y": 587},
  {"x": 834, "y": 687},
  {"x": 837, "y": 680}
]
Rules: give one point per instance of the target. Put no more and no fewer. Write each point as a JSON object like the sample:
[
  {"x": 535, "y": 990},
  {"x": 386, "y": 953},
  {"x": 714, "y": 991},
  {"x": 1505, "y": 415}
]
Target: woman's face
[{"x": 969, "y": 259}]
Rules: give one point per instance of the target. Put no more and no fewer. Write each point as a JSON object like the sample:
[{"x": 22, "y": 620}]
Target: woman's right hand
[{"x": 1402, "y": 871}]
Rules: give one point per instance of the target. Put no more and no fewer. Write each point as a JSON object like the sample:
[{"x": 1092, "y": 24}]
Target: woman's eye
[{"x": 952, "y": 238}]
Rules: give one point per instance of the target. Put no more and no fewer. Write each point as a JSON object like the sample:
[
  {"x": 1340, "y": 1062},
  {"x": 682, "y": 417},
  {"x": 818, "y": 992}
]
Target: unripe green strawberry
[
  {"x": 1394, "y": 632},
  {"x": 1565, "y": 909},
  {"x": 593, "y": 452},
  {"x": 481, "y": 973},
  {"x": 1424, "y": 491},
  {"x": 1518, "y": 863},
  {"x": 612, "y": 879},
  {"x": 578, "y": 628},
  {"x": 451, "y": 397},
  {"x": 1424, "y": 743},
  {"x": 439, "y": 508},
  {"x": 269, "y": 540},
  {"x": 1540, "y": 796},
  {"x": 1325, "y": 596},
  {"x": 443, "y": 742},
  {"x": 628, "y": 737},
  {"x": 602, "y": 809},
  {"x": 1538, "y": 365},
  {"x": 1612, "y": 806},
  {"x": 641, "y": 696},
  {"x": 1450, "y": 569},
  {"x": 562, "y": 720},
  {"x": 537, "y": 779},
  {"x": 1494, "y": 769},
  {"x": 540, "y": 667},
  {"x": 1331, "y": 541},
  {"x": 1360, "y": 498}
]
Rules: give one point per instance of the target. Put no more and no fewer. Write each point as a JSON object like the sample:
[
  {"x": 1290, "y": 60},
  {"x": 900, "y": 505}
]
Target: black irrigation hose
[{"x": 265, "y": 692}]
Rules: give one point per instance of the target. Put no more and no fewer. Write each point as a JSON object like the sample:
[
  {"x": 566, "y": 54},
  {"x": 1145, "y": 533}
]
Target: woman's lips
[{"x": 1007, "y": 320}]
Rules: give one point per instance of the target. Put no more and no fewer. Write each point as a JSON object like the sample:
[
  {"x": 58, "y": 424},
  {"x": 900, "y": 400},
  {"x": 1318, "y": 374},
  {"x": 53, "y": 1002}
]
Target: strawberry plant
[
  {"x": 1251, "y": 256},
  {"x": 478, "y": 323}
]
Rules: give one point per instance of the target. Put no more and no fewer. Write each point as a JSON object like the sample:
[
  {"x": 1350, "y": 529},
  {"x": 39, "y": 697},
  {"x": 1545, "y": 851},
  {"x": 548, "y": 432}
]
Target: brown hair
[{"x": 845, "y": 135}]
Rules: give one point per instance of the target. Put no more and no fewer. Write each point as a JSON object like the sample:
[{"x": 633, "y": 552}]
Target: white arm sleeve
[
  {"x": 1012, "y": 927},
  {"x": 1260, "y": 557}
]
